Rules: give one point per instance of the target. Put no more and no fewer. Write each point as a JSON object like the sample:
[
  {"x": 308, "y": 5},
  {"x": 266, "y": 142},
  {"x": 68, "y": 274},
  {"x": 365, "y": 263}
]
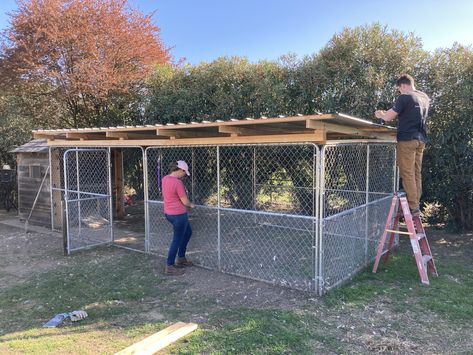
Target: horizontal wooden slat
[{"x": 259, "y": 130}]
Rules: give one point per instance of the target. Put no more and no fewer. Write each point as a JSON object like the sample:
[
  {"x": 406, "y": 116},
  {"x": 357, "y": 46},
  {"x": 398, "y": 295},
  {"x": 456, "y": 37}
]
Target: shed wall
[{"x": 28, "y": 187}]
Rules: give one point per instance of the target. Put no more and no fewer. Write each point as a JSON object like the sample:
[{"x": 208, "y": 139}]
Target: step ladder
[{"x": 416, "y": 234}]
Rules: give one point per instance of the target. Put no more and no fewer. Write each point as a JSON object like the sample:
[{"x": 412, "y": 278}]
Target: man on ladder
[{"x": 412, "y": 108}]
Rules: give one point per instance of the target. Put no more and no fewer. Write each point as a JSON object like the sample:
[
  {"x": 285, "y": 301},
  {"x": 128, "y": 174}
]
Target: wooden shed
[{"x": 33, "y": 181}]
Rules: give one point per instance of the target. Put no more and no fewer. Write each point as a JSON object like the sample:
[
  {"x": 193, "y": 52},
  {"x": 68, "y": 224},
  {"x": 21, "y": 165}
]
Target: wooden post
[
  {"x": 118, "y": 177},
  {"x": 64, "y": 228},
  {"x": 55, "y": 171}
]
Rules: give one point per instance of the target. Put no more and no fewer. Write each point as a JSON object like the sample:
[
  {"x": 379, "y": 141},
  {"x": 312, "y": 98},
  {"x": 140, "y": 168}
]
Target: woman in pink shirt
[{"x": 175, "y": 210}]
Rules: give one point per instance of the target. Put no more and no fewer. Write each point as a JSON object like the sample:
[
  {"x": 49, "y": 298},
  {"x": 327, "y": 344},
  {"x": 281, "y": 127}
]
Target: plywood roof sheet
[{"x": 318, "y": 128}]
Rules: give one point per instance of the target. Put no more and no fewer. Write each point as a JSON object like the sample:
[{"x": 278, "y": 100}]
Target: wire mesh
[
  {"x": 258, "y": 213},
  {"x": 255, "y": 213},
  {"x": 128, "y": 186},
  {"x": 269, "y": 247},
  {"x": 359, "y": 180},
  {"x": 87, "y": 197}
]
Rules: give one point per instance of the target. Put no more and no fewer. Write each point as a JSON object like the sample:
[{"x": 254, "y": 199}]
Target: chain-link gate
[
  {"x": 256, "y": 209},
  {"x": 87, "y": 197}
]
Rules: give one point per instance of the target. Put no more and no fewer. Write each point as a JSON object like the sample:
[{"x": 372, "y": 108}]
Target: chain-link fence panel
[
  {"x": 285, "y": 179},
  {"x": 128, "y": 188},
  {"x": 344, "y": 177},
  {"x": 359, "y": 181},
  {"x": 252, "y": 203},
  {"x": 87, "y": 197},
  {"x": 275, "y": 248},
  {"x": 201, "y": 188},
  {"x": 159, "y": 163},
  {"x": 382, "y": 171},
  {"x": 203, "y": 245}
]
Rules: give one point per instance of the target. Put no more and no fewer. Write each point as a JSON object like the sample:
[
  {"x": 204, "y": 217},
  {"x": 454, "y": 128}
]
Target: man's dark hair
[{"x": 405, "y": 79}]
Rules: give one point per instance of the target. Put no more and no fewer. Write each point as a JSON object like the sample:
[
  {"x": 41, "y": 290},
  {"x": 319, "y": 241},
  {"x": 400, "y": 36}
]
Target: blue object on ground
[{"x": 56, "y": 320}]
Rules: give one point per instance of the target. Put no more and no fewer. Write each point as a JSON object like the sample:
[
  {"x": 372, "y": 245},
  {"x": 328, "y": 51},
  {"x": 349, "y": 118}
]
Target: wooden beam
[
  {"x": 332, "y": 127},
  {"x": 130, "y": 135},
  {"x": 359, "y": 132},
  {"x": 159, "y": 340},
  {"x": 177, "y": 133},
  {"x": 117, "y": 135},
  {"x": 44, "y": 136},
  {"x": 82, "y": 136},
  {"x": 318, "y": 136},
  {"x": 258, "y": 130},
  {"x": 118, "y": 182}
]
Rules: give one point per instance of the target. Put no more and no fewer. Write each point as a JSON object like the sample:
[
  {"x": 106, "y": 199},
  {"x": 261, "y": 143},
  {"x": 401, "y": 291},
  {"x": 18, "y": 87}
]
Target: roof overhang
[{"x": 320, "y": 129}]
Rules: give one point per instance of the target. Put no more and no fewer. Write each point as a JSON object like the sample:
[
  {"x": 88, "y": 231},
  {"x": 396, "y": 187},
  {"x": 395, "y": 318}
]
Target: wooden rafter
[{"x": 310, "y": 128}]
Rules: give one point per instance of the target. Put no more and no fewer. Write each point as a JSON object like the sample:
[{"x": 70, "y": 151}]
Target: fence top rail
[
  {"x": 238, "y": 210},
  {"x": 318, "y": 128}
]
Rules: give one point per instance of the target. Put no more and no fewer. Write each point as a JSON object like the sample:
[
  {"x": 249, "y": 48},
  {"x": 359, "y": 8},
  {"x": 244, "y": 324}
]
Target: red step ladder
[{"x": 416, "y": 234}]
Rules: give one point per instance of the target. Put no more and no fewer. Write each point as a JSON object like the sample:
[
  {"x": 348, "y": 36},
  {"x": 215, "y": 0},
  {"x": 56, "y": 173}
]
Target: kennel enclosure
[{"x": 295, "y": 201}]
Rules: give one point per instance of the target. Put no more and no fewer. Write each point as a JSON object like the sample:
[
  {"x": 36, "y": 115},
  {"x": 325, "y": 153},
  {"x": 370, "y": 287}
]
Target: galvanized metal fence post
[
  {"x": 51, "y": 188},
  {"x": 110, "y": 199},
  {"x": 367, "y": 200},
  {"x": 146, "y": 197},
  {"x": 78, "y": 189},
  {"x": 321, "y": 220},
  {"x": 66, "y": 199},
  {"x": 219, "y": 246}
]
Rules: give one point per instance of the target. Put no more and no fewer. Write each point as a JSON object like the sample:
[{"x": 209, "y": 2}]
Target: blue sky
[{"x": 202, "y": 30}]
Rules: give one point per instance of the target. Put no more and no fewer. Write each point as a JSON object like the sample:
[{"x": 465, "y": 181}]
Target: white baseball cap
[{"x": 181, "y": 164}]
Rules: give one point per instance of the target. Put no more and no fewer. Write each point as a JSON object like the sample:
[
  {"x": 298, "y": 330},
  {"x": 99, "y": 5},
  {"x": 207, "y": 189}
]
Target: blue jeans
[{"x": 181, "y": 235}]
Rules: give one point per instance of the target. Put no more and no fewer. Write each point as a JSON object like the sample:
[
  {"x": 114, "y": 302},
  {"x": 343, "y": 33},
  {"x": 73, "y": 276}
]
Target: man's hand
[
  {"x": 379, "y": 113},
  {"x": 191, "y": 205}
]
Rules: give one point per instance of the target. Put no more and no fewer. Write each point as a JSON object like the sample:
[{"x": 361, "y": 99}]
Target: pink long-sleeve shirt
[{"x": 173, "y": 190}]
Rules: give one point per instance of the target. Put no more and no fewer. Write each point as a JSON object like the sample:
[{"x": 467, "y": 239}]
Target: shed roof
[
  {"x": 34, "y": 146},
  {"x": 319, "y": 128}
]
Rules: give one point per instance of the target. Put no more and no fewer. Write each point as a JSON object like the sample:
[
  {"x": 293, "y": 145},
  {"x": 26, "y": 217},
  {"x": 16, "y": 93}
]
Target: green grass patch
[
  {"x": 106, "y": 283},
  {"x": 251, "y": 331},
  {"x": 449, "y": 295}
]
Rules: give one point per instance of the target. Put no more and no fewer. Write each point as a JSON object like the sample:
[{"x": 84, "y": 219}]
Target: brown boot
[
  {"x": 172, "y": 270},
  {"x": 183, "y": 262}
]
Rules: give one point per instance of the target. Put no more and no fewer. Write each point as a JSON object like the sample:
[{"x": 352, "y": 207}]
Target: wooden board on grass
[{"x": 159, "y": 340}]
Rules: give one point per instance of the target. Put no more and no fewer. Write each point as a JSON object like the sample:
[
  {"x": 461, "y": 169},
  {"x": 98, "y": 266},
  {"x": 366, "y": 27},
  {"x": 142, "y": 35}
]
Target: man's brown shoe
[
  {"x": 183, "y": 262},
  {"x": 172, "y": 270}
]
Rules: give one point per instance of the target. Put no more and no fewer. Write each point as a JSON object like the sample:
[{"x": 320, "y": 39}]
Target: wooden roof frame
[{"x": 320, "y": 129}]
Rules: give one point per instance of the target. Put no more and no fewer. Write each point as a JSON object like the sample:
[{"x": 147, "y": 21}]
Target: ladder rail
[
  {"x": 417, "y": 237},
  {"x": 383, "y": 237}
]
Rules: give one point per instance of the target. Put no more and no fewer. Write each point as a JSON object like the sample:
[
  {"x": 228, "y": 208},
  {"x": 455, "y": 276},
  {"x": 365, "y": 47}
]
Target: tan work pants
[{"x": 409, "y": 159}]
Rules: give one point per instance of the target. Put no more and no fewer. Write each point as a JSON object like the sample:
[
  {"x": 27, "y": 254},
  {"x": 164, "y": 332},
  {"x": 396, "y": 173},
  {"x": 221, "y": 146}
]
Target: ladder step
[
  {"x": 420, "y": 236},
  {"x": 397, "y": 232},
  {"x": 426, "y": 259}
]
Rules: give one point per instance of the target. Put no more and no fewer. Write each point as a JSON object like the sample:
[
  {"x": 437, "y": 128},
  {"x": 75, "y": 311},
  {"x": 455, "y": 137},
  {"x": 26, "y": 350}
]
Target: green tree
[
  {"x": 448, "y": 167},
  {"x": 356, "y": 71},
  {"x": 223, "y": 89},
  {"x": 14, "y": 130}
]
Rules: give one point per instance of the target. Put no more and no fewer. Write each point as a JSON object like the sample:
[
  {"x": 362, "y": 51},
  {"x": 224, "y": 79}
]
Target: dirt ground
[{"x": 376, "y": 327}]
